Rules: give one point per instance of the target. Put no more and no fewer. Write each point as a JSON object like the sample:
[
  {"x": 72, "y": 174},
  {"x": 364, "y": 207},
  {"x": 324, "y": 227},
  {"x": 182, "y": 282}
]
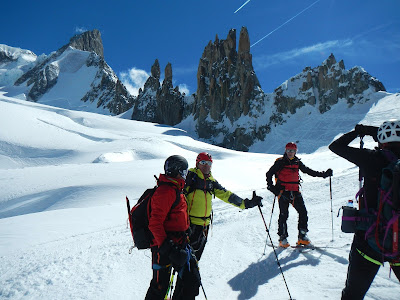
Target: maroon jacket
[
  {"x": 165, "y": 220},
  {"x": 286, "y": 172}
]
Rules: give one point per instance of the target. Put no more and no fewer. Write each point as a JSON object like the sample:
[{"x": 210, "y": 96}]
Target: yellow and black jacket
[{"x": 199, "y": 191}]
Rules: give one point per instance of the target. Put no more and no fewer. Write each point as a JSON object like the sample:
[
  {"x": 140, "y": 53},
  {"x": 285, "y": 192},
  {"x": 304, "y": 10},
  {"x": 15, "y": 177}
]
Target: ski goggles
[
  {"x": 290, "y": 151},
  {"x": 205, "y": 162}
]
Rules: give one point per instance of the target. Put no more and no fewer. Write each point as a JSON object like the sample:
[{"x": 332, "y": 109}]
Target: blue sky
[{"x": 286, "y": 35}]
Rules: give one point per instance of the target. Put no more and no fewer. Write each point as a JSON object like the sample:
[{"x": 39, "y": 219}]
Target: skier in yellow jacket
[{"x": 199, "y": 188}]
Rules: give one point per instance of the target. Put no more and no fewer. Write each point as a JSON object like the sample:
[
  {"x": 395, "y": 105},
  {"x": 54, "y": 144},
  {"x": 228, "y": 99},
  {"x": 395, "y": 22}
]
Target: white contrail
[
  {"x": 242, "y": 6},
  {"x": 284, "y": 24}
]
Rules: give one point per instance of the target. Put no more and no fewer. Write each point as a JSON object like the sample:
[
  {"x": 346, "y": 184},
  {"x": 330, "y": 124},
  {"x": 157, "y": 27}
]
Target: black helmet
[{"x": 175, "y": 165}]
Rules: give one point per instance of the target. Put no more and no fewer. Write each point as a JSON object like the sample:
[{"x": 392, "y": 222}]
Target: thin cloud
[
  {"x": 183, "y": 88},
  {"x": 80, "y": 29},
  {"x": 265, "y": 61},
  {"x": 134, "y": 79}
]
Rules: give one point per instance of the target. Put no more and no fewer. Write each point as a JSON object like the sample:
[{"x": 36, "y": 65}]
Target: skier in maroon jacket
[
  {"x": 364, "y": 261},
  {"x": 168, "y": 223},
  {"x": 286, "y": 171}
]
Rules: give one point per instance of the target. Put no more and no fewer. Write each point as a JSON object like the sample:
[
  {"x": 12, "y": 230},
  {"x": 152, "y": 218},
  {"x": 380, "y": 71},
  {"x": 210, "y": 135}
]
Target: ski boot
[
  {"x": 303, "y": 239},
  {"x": 283, "y": 242}
]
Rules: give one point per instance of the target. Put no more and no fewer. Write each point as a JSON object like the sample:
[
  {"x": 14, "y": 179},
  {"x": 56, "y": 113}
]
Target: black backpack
[
  {"x": 381, "y": 223},
  {"x": 138, "y": 216}
]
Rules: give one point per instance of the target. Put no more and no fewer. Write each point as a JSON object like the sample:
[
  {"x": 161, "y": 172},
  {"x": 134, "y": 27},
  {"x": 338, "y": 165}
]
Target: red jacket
[
  {"x": 163, "y": 219},
  {"x": 286, "y": 172}
]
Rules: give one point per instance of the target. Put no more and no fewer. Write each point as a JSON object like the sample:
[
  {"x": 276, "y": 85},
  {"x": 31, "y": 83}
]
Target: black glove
[
  {"x": 274, "y": 189},
  {"x": 255, "y": 201},
  {"x": 363, "y": 130},
  {"x": 178, "y": 256},
  {"x": 327, "y": 173}
]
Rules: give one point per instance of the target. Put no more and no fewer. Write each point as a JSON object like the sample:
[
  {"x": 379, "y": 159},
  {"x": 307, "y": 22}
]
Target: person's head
[
  {"x": 291, "y": 149},
  {"x": 176, "y": 166},
  {"x": 204, "y": 162},
  {"x": 389, "y": 135}
]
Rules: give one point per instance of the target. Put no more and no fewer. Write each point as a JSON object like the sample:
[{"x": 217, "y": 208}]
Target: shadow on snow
[{"x": 260, "y": 273}]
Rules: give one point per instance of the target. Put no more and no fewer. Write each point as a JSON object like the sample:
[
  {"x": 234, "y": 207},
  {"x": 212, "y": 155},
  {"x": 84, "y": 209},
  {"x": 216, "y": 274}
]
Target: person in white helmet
[{"x": 364, "y": 261}]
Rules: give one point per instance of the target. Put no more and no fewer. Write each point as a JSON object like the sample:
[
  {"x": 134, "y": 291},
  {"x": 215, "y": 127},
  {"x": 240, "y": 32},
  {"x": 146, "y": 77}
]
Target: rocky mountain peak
[
  {"x": 168, "y": 72},
  {"x": 160, "y": 104},
  {"x": 88, "y": 41},
  {"x": 330, "y": 61},
  {"x": 244, "y": 41},
  {"x": 155, "y": 70},
  {"x": 227, "y": 86},
  {"x": 83, "y": 51},
  {"x": 324, "y": 86}
]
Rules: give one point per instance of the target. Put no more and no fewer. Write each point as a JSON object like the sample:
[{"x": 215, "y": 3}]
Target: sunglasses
[
  {"x": 290, "y": 151},
  {"x": 205, "y": 162}
]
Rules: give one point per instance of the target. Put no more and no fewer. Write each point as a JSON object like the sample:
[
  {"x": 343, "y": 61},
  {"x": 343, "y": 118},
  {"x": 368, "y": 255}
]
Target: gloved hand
[
  {"x": 178, "y": 256},
  {"x": 274, "y": 189},
  {"x": 328, "y": 173},
  {"x": 255, "y": 201},
  {"x": 363, "y": 130}
]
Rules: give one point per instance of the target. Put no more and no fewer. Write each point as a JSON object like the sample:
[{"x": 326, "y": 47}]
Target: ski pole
[
  {"x": 198, "y": 271},
  {"x": 330, "y": 191},
  {"x": 276, "y": 256},
  {"x": 269, "y": 226},
  {"x": 273, "y": 205},
  {"x": 170, "y": 286}
]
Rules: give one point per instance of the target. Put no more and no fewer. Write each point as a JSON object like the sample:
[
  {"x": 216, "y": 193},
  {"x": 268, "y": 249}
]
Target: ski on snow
[{"x": 309, "y": 247}]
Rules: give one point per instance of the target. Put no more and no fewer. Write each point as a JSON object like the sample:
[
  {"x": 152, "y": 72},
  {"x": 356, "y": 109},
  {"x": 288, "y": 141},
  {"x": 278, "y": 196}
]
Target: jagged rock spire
[{"x": 159, "y": 104}]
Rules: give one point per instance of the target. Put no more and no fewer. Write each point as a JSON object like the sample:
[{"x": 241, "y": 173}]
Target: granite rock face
[
  {"x": 159, "y": 103},
  {"x": 227, "y": 87}
]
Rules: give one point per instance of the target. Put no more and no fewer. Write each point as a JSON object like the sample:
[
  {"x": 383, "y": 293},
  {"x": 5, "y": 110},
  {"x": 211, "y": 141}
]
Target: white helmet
[{"x": 389, "y": 131}]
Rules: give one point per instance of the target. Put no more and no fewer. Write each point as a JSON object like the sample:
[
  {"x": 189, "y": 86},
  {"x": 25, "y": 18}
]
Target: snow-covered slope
[{"x": 63, "y": 234}]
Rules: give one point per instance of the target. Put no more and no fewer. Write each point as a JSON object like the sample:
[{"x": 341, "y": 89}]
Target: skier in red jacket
[
  {"x": 168, "y": 223},
  {"x": 286, "y": 171}
]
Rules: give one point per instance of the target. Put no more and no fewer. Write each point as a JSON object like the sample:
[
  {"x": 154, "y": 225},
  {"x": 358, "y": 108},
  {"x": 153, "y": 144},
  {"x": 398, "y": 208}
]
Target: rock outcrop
[
  {"x": 324, "y": 86},
  {"x": 88, "y": 41},
  {"x": 159, "y": 103},
  {"x": 227, "y": 87}
]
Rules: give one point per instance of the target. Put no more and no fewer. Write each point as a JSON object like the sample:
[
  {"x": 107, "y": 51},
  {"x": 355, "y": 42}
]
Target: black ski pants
[
  {"x": 360, "y": 274},
  {"x": 187, "y": 285},
  {"x": 296, "y": 199},
  {"x": 198, "y": 239},
  {"x": 161, "y": 276}
]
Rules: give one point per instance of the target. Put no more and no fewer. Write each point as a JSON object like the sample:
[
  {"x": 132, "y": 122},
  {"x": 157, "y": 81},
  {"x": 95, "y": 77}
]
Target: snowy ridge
[{"x": 63, "y": 234}]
